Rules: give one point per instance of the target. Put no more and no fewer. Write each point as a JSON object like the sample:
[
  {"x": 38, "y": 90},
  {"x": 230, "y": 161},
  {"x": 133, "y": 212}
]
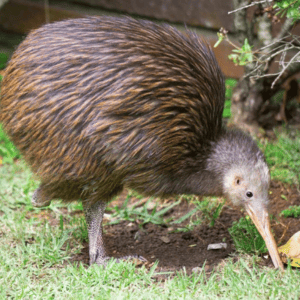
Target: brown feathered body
[
  {"x": 102, "y": 103},
  {"x": 98, "y": 104}
]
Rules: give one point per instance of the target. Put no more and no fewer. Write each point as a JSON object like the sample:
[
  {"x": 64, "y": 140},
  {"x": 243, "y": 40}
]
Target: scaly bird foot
[{"x": 132, "y": 257}]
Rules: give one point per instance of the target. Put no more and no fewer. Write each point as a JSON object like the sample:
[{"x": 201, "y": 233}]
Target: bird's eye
[
  {"x": 249, "y": 194},
  {"x": 237, "y": 181}
]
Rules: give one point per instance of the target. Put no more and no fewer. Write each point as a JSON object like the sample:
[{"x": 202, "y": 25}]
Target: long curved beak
[{"x": 260, "y": 218}]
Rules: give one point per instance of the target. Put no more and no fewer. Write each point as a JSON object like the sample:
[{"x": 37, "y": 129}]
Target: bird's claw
[{"x": 102, "y": 261}]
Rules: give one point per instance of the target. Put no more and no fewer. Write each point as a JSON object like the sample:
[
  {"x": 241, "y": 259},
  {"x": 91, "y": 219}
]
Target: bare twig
[
  {"x": 286, "y": 27},
  {"x": 247, "y": 6},
  {"x": 282, "y": 57},
  {"x": 265, "y": 75},
  {"x": 274, "y": 42},
  {"x": 259, "y": 66},
  {"x": 291, "y": 71},
  {"x": 285, "y": 68},
  {"x": 273, "y": 55}
]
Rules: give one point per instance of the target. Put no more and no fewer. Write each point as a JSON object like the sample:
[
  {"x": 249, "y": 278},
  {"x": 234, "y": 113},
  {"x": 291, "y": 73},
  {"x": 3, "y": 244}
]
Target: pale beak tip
[{"x": 260, "y": 218}]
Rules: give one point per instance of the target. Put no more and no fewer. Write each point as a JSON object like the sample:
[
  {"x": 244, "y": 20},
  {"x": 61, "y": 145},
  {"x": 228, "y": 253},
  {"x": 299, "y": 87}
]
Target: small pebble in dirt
[
  {"x": 217, "y": 246},
  {"x": 165, "y": 239}
]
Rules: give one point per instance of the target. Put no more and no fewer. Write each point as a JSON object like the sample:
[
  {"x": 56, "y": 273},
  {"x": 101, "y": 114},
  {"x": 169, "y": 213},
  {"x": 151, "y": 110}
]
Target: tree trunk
[{"x": 247, "y": 102}]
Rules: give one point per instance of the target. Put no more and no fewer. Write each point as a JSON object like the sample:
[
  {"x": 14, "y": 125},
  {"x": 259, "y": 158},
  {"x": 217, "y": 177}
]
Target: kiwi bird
[{"x": 101, "y": 103}]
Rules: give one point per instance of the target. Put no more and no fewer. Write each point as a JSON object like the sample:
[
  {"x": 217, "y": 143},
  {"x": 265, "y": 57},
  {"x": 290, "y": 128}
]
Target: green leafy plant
[
  {"x": 242, "y": 55},
  {"x": 290, "y": 8},
  {"x": 81, "y": 231},
  {"x": 292, "y": 211},
  {"x": 246, "y": 237},
  {"x": 216, "y": 214},
  {"x": 211, "y": 209},
  {"x": 207, "y": 210}
]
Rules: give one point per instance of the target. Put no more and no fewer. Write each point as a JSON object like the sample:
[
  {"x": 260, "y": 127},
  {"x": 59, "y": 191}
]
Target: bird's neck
[
  {"x": 203, "y": 183},
  {"x": 224, "y": 155}
]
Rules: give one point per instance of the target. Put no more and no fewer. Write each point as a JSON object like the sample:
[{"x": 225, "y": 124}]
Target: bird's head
[
  {"x": 245, "y": 179},
  {"x": 247, "y": 183}
]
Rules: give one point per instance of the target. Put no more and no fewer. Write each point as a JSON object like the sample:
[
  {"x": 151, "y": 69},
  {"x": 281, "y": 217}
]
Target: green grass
[
  {"x": 292, "y": 211},
  {"x": 144, "y": 213},
  {"x": 246, "y": 237},
  {"x": 206, "y": 210},
  {"x": 124, "y": 281},
  {"x": 283, "y": 157},
  {"x": 8, "y": 151}
]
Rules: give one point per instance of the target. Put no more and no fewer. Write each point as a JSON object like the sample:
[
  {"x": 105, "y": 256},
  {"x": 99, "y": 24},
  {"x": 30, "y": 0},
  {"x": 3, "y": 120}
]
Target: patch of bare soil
[{"x": 175, "y": 250}]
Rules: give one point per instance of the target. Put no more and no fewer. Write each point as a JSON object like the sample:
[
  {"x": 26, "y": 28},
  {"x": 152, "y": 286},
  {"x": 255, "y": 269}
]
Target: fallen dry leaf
[{"x": 291, "y": 250}]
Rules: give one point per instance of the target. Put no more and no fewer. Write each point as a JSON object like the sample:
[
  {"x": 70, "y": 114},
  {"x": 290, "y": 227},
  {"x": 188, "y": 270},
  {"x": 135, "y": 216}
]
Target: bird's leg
[
  {"x": 93, "y": 217},
  {"x": 39, "y": 198}
]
